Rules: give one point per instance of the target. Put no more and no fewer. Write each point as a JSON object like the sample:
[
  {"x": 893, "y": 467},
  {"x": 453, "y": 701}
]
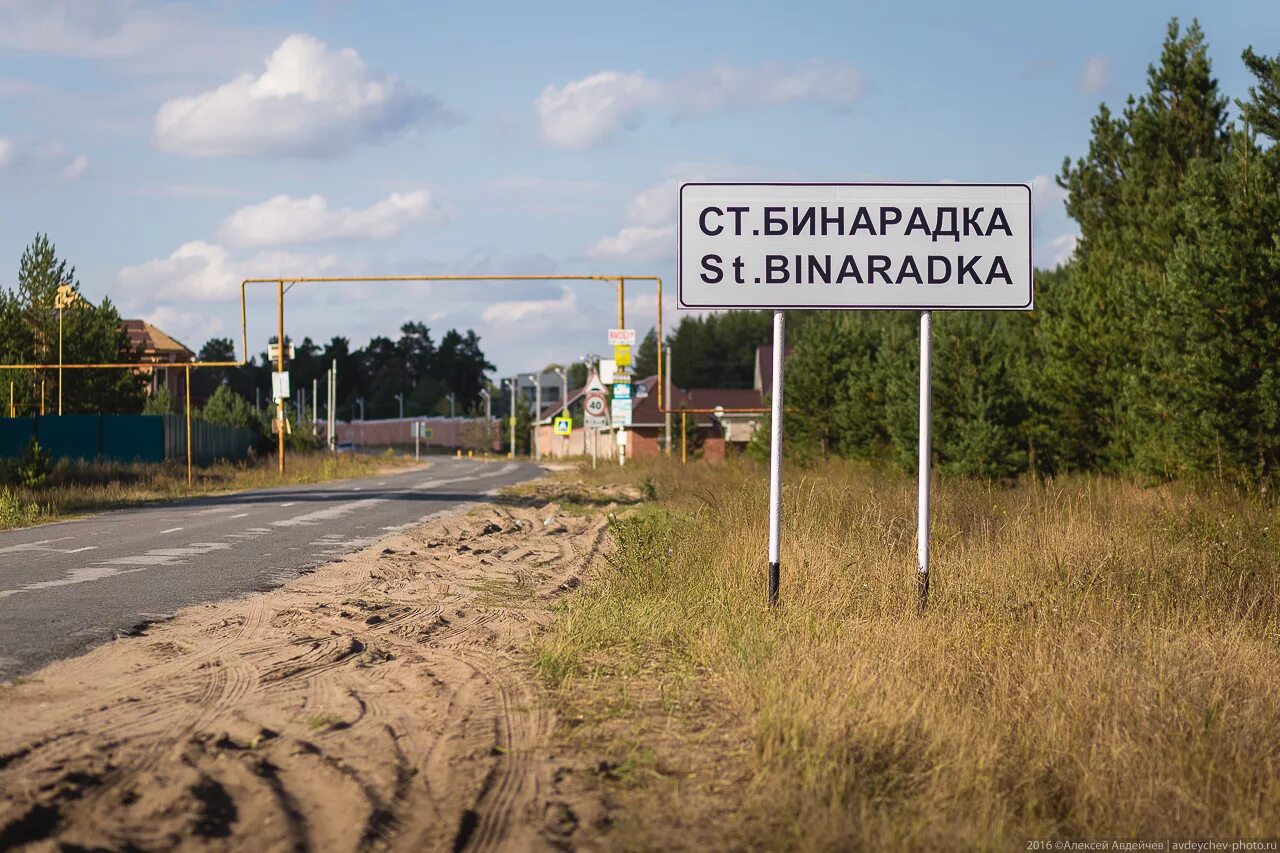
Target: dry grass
[
  {"x": 73, "y": 489},
  {"x": 1098, "y": 658}
]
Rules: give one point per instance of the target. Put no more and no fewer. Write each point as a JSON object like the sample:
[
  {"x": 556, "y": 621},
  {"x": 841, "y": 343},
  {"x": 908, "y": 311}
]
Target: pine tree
[
  {"x": 91, "y": 334},
  {"x": 1098, "y": 329}
]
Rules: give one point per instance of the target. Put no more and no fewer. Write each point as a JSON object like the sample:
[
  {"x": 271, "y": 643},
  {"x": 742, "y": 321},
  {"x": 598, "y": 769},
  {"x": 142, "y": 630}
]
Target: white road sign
[
  {"x": 622, "y": 337},
  {"x": 856, "y": 245},
  {"x": 620, "y": 412},
  {"x": 280, "y": 384},
  {"x": 594, "y": 409}
]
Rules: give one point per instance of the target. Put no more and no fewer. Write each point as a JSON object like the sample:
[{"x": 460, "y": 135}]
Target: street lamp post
[
  {"x": 537, "y": 416},
  {"x": 564, "y": 405},
  {"x": 513, "y": 382},
  {"x": 400, "y": 398},
  {"x": 453, "y": 399}
]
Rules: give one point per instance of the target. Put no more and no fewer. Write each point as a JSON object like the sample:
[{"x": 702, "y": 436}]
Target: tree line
[
  {"x": 1154, "y": 350},
  {"x": 425, "y": 372}
]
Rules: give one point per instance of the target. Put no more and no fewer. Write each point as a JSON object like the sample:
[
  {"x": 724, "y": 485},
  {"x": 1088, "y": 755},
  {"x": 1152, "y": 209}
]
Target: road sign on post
[
  {"x": 595, "y": 405},
  {"x": 622, "y": 337},
  {"x": 562, "y": 425},
  {"x": 620, "y": 412},
  {"x": 280, "y": 385},
  {"x": 921, "y": 247}
]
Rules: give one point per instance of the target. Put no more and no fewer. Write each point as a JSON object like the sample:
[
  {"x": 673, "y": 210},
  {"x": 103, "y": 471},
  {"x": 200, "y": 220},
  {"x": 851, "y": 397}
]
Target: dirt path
[{"x": 375, "y": 704}]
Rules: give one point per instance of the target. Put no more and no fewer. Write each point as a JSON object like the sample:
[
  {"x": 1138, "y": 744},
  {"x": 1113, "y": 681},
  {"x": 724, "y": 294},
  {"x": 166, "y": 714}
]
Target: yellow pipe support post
[
  {"x": 660, "y": 348},
  {"x": 280, "y": 367},
  {"x": 684, "y": 455},
  {"x": 41, "y": 396},
  {"x": 12, "y": 414},
  {"x": 59, "y": 358},
  {"x": 189, "y": 477}
]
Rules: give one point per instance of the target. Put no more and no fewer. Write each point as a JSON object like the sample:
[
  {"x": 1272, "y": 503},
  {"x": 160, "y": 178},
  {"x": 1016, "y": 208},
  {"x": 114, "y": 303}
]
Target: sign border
[{"x": 680, "y": 303}]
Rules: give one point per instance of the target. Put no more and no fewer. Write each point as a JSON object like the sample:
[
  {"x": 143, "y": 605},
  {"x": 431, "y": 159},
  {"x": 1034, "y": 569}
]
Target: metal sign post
[
  {"x": 775, "y": 461},
  {"x": 921, "y": 247},
  {"x": 925, "y": 460}
]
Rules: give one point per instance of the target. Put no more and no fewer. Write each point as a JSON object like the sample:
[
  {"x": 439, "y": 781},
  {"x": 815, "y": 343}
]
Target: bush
[
  {"x": 31, "y": 469},
  {"x": 15, "y": 512}
]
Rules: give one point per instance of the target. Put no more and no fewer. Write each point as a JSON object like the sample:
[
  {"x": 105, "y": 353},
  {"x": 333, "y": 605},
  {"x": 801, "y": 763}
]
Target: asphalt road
[{"x": 67, "y": 586}]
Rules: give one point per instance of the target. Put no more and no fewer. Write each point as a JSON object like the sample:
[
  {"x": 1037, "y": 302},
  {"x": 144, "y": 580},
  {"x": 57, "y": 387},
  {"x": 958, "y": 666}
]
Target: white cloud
[
  {"x": 284, "y": 220},
  {"x": 310, "y": 101},
  {"x": 1093, "y": 79},
  {"x": 723, "y": 85},
  {"x": 654, "y": 206},
  {"x": 525, "y": 311},
  {"x": 586, "y": 112},
  {"x": 27, "y": 163},
  {"x": 1060, "y": 250},
  {"x": 1046, "y": 194},
  {"x": 637, "y": 243},
  {"x": 206, "y": 272},
  {"x": 650, "y": 230}
]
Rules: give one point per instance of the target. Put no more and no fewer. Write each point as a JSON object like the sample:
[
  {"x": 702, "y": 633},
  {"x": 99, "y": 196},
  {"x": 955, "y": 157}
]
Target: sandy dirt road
[{"x": 377, "y": 703}]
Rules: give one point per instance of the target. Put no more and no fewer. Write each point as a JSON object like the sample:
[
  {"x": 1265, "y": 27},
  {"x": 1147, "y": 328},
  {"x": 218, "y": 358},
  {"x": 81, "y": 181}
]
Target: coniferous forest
[{"x": 1154, "y": 351}]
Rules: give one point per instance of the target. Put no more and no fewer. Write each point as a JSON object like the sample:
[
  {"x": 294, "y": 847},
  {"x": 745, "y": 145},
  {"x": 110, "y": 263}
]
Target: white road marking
[
  {"x": 38, "y": 545},
  {"x": 290, "y": 503},
  {"x": 112, "y": 567},
  {"x": 241, "y": 515},
  {"x": 328, "y": 514},
  {"x": 170, "y": 530}
]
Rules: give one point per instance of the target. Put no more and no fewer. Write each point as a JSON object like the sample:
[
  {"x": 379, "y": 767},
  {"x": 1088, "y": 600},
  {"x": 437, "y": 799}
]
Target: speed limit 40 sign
[{"x": 595, "y": 408}]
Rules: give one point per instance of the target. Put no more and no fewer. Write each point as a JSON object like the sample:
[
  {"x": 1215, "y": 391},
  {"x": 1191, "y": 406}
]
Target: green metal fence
[{"x": 125, "y": 438}]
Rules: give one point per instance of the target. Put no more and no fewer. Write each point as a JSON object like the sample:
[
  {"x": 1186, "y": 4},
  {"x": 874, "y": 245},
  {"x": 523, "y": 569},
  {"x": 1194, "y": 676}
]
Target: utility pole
[
  {"x": 515, "y": 380},
  {"x": 400, "y": 399},
  {"x": 666, "y": 380},
  {"x": 333, "y": 406},
  {"x": 315, "y": 402},
  {"x": 488, "y": 419},
  {"x": 453, "y": 399},
  {"x": 564, "y": 407},
  {"x": 280, "y": 421},
  {"x": 537, "y": 416}
]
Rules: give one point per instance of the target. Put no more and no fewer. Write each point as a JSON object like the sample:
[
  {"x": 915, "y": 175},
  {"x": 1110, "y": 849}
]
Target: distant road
[{"x": 69, "y": 585}]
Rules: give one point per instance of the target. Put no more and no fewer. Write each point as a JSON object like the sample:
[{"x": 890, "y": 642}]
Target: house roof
[
  {"x": 154, "y": 344},
  {"x": 764, "y": 367},
  {"x": 644, "y": 411}
]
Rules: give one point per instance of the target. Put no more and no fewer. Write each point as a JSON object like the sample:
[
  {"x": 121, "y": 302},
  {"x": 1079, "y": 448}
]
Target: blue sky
[{"x": 171, "y": 149}]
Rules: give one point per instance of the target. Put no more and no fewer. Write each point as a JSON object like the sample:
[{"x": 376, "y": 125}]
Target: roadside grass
[
  {"x": 76, "y": 488},
  {"x": 1098, "y": 658}
]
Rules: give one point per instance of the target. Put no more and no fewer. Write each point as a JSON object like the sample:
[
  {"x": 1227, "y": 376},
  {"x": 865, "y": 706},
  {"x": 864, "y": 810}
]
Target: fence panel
[
  {"x": 126, "y": 438},
  {"x": 14, "y": 435},
  {"x": 70, "y": 436},
  {"x": 132, "y": 438}
]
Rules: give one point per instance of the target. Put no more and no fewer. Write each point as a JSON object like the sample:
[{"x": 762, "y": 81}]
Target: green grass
[{"x": 1098, "y": 658}]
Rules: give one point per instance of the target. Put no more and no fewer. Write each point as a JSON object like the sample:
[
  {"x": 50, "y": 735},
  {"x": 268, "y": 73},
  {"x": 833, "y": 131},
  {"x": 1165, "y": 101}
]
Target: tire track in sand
[{"x": 378, "y": 703}]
